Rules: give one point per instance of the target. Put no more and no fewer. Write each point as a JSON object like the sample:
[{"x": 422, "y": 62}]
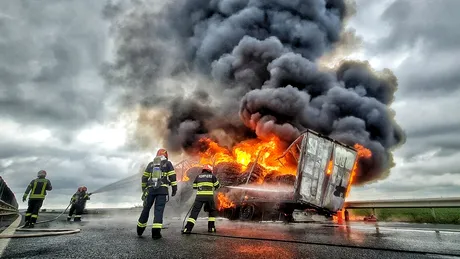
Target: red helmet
[
  {"x": 208, "y": 168},
  {"x": 162, "y": 152},
  {"x": 82, "y": 189}
]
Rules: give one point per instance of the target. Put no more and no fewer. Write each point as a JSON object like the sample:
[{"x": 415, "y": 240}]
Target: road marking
[{"x": 9, "y": 231}]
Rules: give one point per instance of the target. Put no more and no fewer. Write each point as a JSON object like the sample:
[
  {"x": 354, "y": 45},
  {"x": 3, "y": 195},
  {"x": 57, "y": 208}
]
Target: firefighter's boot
[
  {"x": 69, "y": 218},
  {"x": 211, "y": 227},
  {"x": 27, "y": 220},
  {"x": 156, "y": 233},
  {"x": 140, "y": 230},
  {"x": 32, "y": 221},
  {"x": 188, "y": 228}
]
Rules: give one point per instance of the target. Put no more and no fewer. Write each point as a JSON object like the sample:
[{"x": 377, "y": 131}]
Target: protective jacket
[
  {"x": 158, "y": 178},
  {"x": 158, "y": 175},
  {"x": 205, "y": 183},
  {"x": 80, "y": 198},
  {"x": 78, "y": 202},
  {"x": 37, "y": 188}
]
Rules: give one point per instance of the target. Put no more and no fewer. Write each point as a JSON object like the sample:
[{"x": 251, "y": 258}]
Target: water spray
[{"x": 259, "y": 189}]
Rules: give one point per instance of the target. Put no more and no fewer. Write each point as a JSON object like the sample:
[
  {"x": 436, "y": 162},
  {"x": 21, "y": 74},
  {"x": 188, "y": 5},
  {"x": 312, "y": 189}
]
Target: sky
[{"x": 57, "y": 114}]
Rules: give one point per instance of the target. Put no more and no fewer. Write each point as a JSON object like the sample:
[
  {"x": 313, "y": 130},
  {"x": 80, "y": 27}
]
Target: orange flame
[
  {"x": 330, "y": 167},
  {"x": 224, "y": 202},
  {"x": 246, "y": 152},
  {"x": 362, "y": 153},
  {"x": 185, "y": 177},
  {"x": 340, "y": 217}
]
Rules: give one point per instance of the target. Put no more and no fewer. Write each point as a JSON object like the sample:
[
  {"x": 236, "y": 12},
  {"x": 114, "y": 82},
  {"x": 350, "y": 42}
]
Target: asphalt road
[{"x": 113, "y": 235}]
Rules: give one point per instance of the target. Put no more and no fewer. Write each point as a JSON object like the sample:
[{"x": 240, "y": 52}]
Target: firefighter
[
  {"x": 37, "y": 189},
  {"x": 158, "y": 175},
  {"x": 78, "y": 202},
  {"x": 205, "y": 183}
]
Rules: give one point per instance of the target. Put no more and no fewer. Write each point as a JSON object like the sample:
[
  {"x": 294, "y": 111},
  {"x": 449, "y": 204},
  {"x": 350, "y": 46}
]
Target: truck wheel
[
  {"x": 247, "y": 212},
  {"x": 231, "y": 213}
]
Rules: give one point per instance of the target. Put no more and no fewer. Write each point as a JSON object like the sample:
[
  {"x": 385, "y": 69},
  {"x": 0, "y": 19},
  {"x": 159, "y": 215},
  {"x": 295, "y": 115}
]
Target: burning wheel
[
  {"x": 230, "y": 213},
  {"x": 247, "y": 212}
]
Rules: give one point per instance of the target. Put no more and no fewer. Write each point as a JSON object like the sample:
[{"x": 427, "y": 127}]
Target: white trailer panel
[{"x": 313, "y": 183}]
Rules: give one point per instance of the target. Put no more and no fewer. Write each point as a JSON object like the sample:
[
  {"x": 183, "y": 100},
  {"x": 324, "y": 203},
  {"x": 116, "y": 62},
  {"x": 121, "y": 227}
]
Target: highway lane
[{"x": 113, "y": 235}]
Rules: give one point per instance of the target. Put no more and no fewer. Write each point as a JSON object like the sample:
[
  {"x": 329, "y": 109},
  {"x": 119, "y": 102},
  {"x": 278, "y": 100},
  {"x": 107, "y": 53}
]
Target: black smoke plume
[{"x": 249, "y": 68}]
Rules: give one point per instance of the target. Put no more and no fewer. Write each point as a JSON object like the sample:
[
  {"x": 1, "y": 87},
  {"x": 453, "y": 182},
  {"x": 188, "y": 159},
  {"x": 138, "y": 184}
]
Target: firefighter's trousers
[
  {"x": 78, "y": 209},
  {"x": 160, "y": 203},
  {"x": 32, "y": 210},
  {"x": 208, "y": 202}
]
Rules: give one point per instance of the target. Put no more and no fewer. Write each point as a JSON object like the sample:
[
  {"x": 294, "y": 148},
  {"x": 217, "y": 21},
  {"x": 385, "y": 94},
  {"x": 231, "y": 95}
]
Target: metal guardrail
[
  {"x": 451, "y": 202},
  {"x": 8, "y": 205},
  {"x": 7, "y": 196}
]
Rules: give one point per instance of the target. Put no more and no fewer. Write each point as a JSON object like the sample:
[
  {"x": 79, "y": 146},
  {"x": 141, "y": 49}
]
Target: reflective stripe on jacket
[
  {"x": 168, "y": 176},
  {"x": 206, "y": 183},
  {"x": 37, "y": 188}
]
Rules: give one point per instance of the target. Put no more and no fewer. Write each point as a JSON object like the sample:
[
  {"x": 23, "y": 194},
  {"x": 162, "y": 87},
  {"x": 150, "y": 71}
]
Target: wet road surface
[{"x": 114, "y": 236}]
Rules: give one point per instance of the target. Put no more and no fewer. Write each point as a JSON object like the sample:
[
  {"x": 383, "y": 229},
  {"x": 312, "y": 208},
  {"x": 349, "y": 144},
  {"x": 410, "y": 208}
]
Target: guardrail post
[{"x": 433, "y": 213}]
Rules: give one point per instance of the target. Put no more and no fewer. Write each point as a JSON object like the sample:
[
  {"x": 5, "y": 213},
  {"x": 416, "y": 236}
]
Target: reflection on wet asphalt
[{"x": 114, "y": 236}]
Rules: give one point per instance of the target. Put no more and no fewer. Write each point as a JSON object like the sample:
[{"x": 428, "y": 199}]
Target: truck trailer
[{"x": 323, "y": 173}]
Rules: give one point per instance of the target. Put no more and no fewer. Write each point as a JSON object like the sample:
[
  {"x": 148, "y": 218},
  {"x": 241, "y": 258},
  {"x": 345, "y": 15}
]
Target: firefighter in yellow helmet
[
  {"x": 158, "y": 175},
  {"x": 78, "y": 202},
  {"x": 206, "y": 183},
  {"x": 37, "y": 189}
]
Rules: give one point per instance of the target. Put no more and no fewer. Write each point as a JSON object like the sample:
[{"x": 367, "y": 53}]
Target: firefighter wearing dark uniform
[
  {"x": 158, "y": 175},
  {"x": 78, "y": 202},
  {"x": 205, "y": 183},
  {"x": 37, "y": 189}
]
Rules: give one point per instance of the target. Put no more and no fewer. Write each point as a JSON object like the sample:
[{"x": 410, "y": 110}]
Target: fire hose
[
  {"x": 53, "y": 219},
  {"x": 185, "y": 218},
  {"x": 43, "y": 232}
]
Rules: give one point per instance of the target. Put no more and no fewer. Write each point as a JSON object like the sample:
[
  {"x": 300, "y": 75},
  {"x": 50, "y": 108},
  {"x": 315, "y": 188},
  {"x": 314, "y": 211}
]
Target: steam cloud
[{"x": 249, "y": 68}]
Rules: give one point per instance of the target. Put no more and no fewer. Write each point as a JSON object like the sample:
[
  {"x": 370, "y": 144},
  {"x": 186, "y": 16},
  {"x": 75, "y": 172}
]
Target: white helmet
[{"x": 41, "y": 173}]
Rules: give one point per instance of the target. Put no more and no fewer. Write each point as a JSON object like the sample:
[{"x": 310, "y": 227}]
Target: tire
[
  {"x": 231, "y": 213},
  {"x": 247, "y": 212}
]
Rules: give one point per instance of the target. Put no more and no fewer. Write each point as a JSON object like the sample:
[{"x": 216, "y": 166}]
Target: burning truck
[{"x": 264, "y": 179}]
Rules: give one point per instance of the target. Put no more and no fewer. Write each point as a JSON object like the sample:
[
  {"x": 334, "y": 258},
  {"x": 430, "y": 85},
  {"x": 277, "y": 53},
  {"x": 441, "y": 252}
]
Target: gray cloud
[
  {"x": 425, "y": 34},
  {"x": 50, "y": 57},
  {"x": 50, "y": 54},
  {"x": 434, "y": 23}
]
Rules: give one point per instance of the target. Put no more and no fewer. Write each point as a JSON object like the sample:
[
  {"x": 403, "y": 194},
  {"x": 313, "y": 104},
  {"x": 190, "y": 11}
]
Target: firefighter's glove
[
  {"x": 174, "y": 191},
  {"x": 24, "y": 198},
  {"x": 89, "y": 194}
]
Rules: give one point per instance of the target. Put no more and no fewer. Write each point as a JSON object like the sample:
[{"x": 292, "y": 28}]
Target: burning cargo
[{"x": 314, "y": 172}]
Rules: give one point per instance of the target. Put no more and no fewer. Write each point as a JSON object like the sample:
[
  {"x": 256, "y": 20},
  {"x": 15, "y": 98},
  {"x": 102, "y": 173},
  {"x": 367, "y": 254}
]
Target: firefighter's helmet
[
  {"x": 208, "y": 168},
  {"x": 83, "y": 188},
  {"x": 162, "y": 152},
  {"x": 41, "y": 173}
]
